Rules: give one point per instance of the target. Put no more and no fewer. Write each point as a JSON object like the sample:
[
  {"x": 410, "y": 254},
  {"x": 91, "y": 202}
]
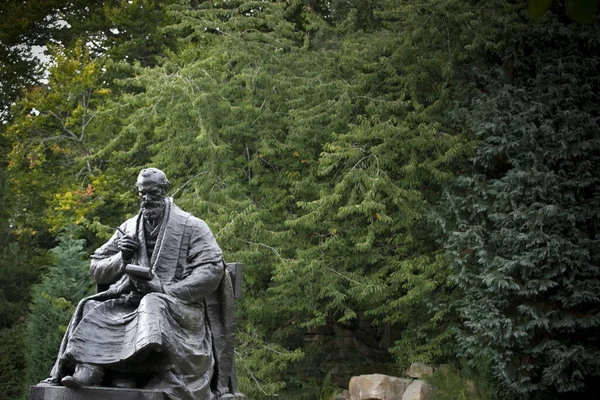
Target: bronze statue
[{"x": 166, "y": 319}]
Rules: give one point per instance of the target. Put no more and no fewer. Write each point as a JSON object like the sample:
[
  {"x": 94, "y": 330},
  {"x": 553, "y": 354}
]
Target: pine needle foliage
[
  {"x": 13, "y": 302},
  {"x": 313, "y": 151},
  {"x": 522, "y": 229},
  {"x": 53, "y": 302},
  {"x": 317, "y": 139}
]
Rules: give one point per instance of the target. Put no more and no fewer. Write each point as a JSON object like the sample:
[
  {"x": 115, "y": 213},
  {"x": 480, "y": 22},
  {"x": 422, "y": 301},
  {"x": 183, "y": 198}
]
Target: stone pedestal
[{"x": 42, "y": 392}]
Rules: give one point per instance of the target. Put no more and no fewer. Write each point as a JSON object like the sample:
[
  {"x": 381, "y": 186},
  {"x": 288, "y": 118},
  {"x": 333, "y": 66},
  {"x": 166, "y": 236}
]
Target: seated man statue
[{"x": 166, "y": 319}]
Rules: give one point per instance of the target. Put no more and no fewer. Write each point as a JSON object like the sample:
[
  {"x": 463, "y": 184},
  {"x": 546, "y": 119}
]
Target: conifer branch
[
  {"x": 348, "y": 279},
  {"x": 64, "y": 127},
  {"x": 182, "y": 186},
  {"x": 254, "y": 377},
  {"x": 274, "y": 250}
]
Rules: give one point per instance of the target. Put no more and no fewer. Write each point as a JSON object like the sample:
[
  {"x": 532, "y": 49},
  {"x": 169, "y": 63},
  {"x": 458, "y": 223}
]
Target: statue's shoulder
[
  {"x": 187, "y": 218},
  {"x": 132, "y": 221},
  {"x": 130, "y": 226}
]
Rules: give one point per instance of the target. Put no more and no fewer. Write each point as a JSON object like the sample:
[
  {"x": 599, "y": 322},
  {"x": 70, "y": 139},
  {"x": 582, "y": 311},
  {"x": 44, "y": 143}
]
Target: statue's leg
[
  {"x": 186, "y": 364},
  {"x": 57, "y": 373},
  {"x": 85, "y": 375}
]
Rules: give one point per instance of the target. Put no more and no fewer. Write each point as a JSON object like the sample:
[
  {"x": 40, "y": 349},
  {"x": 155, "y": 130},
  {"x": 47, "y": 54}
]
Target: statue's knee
[
  {"x": 152, "y": 301},
  {"x": 88, "y": 305}
]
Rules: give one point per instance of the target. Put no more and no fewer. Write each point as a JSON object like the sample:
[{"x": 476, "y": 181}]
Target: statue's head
[{"x": 152, "y": 185}]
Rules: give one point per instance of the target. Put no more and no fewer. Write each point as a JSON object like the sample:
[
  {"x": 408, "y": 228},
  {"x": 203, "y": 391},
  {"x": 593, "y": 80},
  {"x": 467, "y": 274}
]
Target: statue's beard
[{"x": 153, "y": 210}]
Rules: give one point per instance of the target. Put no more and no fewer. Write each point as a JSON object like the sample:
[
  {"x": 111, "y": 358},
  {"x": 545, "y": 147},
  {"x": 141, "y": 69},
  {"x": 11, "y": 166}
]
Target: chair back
[{"x": 235, "y": 272}]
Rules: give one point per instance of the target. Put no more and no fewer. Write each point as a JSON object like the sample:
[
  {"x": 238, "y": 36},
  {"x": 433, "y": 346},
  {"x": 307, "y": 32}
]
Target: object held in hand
[{"x": 138, "y": 271}]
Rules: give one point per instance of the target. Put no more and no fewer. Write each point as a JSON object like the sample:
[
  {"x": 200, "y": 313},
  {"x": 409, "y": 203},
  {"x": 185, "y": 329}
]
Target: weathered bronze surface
[{"x": 172, "y": 329}]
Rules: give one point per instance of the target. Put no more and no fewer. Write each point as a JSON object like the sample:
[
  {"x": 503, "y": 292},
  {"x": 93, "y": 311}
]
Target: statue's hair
[{"x": 156, "y": 173}]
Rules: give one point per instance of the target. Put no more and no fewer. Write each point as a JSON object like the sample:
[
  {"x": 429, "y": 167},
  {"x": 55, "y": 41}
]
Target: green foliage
[
  {"x": 53, "y": 303},
  {"x": 16, "y": 275},
  {"x": 12, "y": 361},
  {"x": 581, "y": 11},
  {"x": 523, "y": 225},
  {"x": 13, "y": 276},
  {"x": 313, "y": 155},
  {"x": 51, "y": 129},
  {"x": 316, "y": 139},
  {"x": 324, "y": 390},
  {"x": 122, "y": 30},
  {"x": 469, "y": 383},
  {"x": 258, "y": 363},
  {"x": 361, "y": 251}
]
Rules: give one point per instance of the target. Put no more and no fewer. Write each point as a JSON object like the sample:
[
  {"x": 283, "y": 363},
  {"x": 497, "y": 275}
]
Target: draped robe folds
[{"x": 190, "y": 326}]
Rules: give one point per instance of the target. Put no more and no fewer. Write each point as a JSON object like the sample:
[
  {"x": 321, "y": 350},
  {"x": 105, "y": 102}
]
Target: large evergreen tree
[
  {"x": 312, "y": 149},
  {"x": 16, "y": 276},
  {"x": 315, "y": 138},
  {"x": 13, "y": 304},
  {"x": 54, "y": 301},
  {"x": 523, "y": 228}
]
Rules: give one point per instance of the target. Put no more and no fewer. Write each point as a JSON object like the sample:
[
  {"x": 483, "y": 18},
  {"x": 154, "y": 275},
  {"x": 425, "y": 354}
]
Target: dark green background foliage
[
  {"x": 403, "y": 181},
  {"x": 53, "y": 302},
  {"x": 524, "y": 236}
]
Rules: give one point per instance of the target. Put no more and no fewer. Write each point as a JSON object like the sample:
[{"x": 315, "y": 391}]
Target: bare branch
[
  {"x": 273, "y": 249},
  {"x": 64, "y": 127},
  {"x": 188, "y": 182},
  {"x": 254, "y": 378}
]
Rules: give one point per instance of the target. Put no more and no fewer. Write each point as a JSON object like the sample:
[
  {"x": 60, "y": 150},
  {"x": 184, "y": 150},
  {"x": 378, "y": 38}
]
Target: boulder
[
  {"x": 345, "y": 395},
  {"x": 443, "y": 369},
  {"x": 377, "y": 387},
  {"x": 418, "y": 390},
  {"x": 418, "y": 370}
]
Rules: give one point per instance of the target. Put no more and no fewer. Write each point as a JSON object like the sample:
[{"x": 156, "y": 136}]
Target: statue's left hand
[{"x": 144, "y": 286}]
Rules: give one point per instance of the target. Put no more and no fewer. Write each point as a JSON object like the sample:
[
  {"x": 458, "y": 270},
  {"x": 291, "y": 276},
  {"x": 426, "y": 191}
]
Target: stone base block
[
  {"x": 377, "y": 387},
  {"x": 418, "y": 390},
  {"x": 42, "y": 392},
  {"x": 238, "y": 396}
]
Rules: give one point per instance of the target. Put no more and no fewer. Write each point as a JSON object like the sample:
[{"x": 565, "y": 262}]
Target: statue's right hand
[{"x": 127, "y": 245}]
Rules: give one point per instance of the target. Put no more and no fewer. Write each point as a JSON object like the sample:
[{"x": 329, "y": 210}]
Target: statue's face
[{"x": 152, "y": 197}]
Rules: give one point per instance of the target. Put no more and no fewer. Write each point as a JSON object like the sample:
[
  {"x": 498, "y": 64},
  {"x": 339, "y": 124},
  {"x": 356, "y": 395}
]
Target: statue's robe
[{"x": 183, "y": 336}]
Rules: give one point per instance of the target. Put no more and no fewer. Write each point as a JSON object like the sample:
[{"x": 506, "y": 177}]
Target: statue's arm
[
  {"x": 205, "y": 261},
  {"x": 202, "y": 281},
  {"x": 107, "y": 265}
]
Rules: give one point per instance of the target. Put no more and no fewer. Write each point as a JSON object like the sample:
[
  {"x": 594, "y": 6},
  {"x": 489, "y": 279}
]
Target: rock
[
  {"x": 338, "y": 331},
  {"x": 471, "y": 387},
  {"x": 418, "y": 390},
  {"x": 345, "y": 395},
  {"x": 443, "y": 369},
  {"x": 377, "y": 387},
  {"x": 418, "y": 370}
]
